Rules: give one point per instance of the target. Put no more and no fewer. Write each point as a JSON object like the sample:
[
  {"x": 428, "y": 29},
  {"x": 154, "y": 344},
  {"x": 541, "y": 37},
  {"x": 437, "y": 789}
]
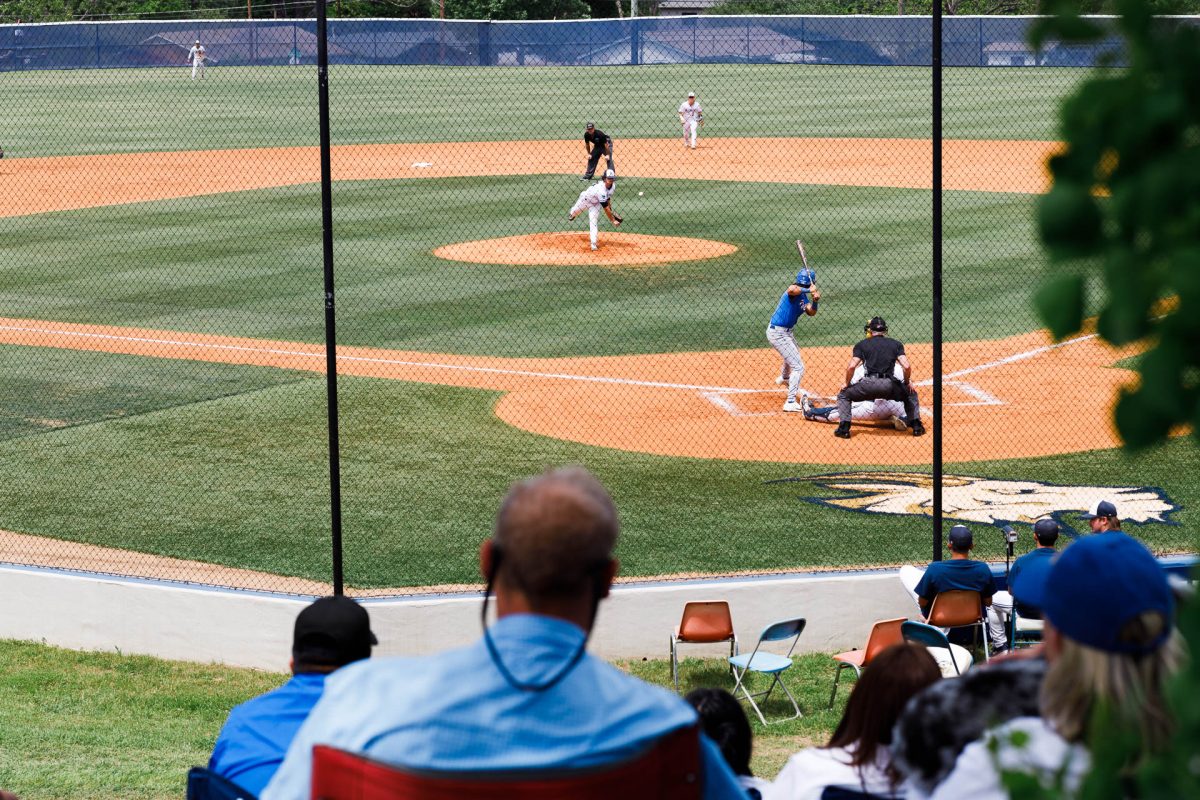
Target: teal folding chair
[
  {"x": 957, "y": 659},
  {"x": 768, "y": 664}
]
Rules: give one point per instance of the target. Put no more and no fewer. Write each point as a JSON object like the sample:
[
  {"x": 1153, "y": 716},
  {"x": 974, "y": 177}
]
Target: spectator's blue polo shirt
[
  {"x": 789, "y": 308},
  {"x": 1030, "y": 558},
  {"x": 257, "y": 734},
  {"x": 957, "y": 573}
]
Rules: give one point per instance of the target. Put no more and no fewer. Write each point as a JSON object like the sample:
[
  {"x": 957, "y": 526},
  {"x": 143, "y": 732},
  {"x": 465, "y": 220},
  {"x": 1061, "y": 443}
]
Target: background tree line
[{"x": 60, "y": 10}]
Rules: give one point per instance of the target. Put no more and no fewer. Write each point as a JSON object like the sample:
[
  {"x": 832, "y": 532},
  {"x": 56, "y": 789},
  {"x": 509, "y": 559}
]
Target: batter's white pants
[
  {"x": 593, "y": 218},
  {"x": 793, "y": 365},
  {"x": 197, "y": 68},
  {"x": 691, "y": 129}
]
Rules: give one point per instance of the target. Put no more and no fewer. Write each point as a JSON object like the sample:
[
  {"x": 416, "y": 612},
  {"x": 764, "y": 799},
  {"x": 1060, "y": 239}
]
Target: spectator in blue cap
[
  {"x": 959, "y": 571},
  {"x": 1109, "y": 640},
  {"x": 1045, "y": 536},
  {"x": 1102, "y": 517}
]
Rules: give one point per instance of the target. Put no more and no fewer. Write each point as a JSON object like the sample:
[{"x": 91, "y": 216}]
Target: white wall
[{"x": 252, "y": 629}]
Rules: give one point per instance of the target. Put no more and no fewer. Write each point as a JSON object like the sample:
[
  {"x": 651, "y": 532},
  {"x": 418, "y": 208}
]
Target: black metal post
[
  {"x": 335, "y": 480},
  {"x": 937, "y": 280}
]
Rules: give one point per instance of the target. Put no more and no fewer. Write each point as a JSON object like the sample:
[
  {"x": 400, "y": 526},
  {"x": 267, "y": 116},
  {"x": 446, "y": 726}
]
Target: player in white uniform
[
  {"x": 824, "y": 409},
  {"x": 593, "y": 199},
  {"x": 691, "y": 116},
  {"x": 197, "y": 56}
]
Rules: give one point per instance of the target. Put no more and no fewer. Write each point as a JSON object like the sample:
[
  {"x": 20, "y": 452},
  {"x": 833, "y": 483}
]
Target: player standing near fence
[
  {"x": 691, "y": 117},
  {"x": 799, "y": 298},
  {"x": 593, "y": 199},
  {"x": 597, "y": 143},
  {"x": 197, "y": 56}
]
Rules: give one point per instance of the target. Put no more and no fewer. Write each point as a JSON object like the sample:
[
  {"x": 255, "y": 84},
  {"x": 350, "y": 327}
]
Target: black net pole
[
  {"x": 335, "y": 483},
  {"x": 937, "y": 280}
]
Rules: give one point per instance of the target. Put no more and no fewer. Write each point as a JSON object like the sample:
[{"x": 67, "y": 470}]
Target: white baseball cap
[{"x": 691, "y": 94}]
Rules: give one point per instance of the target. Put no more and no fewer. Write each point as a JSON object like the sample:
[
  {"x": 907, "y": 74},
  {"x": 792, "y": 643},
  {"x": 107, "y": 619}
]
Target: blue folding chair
[
  {"x": 768, "y": 664},
  {"x": 957, "y": 659},
  {"x": 204, "y": 784}
]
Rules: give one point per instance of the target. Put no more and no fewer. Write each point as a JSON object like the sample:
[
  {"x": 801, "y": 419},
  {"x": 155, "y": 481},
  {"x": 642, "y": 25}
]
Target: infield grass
[
  {"x": 102, "y": 724},
  {"x": 73, "y": 112},
  {"x": 241, "y": 481}
]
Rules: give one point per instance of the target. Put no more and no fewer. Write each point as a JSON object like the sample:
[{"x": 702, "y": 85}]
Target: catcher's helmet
[{"x": 876, "y": 324}]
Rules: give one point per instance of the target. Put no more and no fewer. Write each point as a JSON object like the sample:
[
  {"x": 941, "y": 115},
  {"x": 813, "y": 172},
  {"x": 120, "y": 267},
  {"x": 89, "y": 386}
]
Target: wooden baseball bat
[{"x": 803, "y": 255}]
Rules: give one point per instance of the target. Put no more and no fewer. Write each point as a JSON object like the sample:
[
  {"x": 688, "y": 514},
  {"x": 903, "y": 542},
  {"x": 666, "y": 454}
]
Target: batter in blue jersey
[{"x": 799, "y": 298}]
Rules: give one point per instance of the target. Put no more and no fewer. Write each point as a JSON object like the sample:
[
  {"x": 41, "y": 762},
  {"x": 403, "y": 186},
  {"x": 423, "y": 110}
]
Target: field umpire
[
  {"x": 597, "y": 143},
  {"x": 879, "y": 355}
]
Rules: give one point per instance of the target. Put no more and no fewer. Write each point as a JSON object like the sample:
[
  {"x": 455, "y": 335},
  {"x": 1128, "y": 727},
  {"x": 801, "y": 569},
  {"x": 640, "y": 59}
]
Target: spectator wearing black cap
[
  {"x": 330, "y": 633},
  {"x": 1045, "y": 535},
  {"x": 1111, "y": 646},
  {"x": 958, "y": 572},
  {"x": 1102, "y": 517},
  {"x": 878, "y": 355},
  {"x": 597, "y": 143}
]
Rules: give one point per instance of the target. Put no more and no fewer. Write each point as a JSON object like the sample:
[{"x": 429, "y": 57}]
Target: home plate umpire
[{"x": 879, "y": 355}]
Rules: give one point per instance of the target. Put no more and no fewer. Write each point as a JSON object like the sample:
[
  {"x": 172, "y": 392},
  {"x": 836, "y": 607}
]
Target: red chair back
[
  {"x": 955, "y": 607},
  {"x": 706, "y": 622},
  {"x": 669, "y": 770},
  {"x": 884, "y": 634}
]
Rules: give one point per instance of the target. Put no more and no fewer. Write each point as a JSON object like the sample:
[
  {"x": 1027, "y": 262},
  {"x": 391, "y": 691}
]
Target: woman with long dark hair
[{"x": 857, "y": 756}]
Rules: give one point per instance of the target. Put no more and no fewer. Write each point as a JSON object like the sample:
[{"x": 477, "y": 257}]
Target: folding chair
[
  {"x": 1023, "y": 631},
  {"x": 960, "y": 608},
  {"x": 768, "y": 663},
  {"x": 884, "y": 634},
  {"x": 706, "y": 622},
  {"x": 954, "y": 662},
  {"x": 204, "y": 784},
  {"x": 669, "y": 769}
]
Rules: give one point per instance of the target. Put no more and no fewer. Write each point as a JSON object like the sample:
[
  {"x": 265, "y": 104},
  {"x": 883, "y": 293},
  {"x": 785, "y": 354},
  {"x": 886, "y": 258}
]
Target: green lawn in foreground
[
  {"x": 248, "y": 264},
  {"x": 241, "y": 480},
  {"x": 74, "y": 112},
  {"x": 76, "y": 725}
]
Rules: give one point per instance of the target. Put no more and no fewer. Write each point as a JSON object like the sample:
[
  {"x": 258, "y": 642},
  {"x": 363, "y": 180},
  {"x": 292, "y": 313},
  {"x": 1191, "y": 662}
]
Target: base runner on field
[
  {"x": 878, "y": 355},
  {"x": 800, "y": 298}
]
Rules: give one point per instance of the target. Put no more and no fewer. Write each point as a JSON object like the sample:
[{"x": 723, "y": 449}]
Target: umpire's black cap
[
  {"x": 876, "y": 324},
  {"x": 590, "y": 126}
]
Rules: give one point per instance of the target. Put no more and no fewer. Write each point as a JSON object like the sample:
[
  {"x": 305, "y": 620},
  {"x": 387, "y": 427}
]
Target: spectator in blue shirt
[
  {"x": 329, "y": 633},
  {"x": 959, "y": 572},
  {"x": 1045, "y": 536},
  {"x": 527, "y": 696}
]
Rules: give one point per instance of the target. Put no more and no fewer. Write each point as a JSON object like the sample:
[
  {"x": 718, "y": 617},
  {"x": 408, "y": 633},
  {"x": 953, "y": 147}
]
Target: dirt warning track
[{"x": 707, "y": 405}]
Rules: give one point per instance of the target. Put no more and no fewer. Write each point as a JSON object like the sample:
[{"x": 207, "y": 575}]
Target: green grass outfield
[
  {"x": 76, "y": 725},
  {"x": 75, "y": 112}
]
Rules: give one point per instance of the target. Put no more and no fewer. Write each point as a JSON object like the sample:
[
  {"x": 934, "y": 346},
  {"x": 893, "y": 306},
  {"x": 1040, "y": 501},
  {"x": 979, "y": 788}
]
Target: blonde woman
[{"x": 1109, "y": 639}]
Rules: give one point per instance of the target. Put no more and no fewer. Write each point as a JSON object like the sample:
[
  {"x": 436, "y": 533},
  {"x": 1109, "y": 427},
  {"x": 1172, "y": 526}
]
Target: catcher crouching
[{"x": 878, "y": 355}]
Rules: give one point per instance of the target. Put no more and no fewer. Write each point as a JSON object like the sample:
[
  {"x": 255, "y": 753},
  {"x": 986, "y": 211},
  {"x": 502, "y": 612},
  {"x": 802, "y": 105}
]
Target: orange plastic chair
[
  {"x": 884, "y": 634},
  {"x": 960, "y": 608},
  {"x": 670, "y": 769},
  {"x": 706, "y": 622}
]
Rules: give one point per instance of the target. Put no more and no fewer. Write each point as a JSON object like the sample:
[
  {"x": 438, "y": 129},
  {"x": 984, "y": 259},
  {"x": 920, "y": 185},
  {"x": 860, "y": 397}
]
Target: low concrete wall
[{"x": 251, "y": 629}]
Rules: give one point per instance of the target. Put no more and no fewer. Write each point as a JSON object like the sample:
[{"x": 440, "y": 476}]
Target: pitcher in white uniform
[
  {"x": 691, "y": 116},
  {"x": 594, "y": 198},
  {"x": 197, "y": 56}
]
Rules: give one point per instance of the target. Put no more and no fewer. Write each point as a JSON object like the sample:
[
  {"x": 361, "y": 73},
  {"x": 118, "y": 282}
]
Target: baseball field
[{"x": 161, "y": 319}]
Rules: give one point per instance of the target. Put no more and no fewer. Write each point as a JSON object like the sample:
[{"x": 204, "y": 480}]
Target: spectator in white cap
[
  {"x": 1110, "y": 643},
  {"x": 1102, "y": 516}
]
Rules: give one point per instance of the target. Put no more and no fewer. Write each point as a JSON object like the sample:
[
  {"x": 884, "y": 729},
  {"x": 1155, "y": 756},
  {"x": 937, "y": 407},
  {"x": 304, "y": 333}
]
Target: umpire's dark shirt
[
  {"x": 596, "y": 137},
  {"x": 879, "y": 354}
]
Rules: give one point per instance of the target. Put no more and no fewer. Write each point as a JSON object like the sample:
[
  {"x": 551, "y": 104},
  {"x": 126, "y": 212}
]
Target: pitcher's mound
[{"x": 573, "y": 249}]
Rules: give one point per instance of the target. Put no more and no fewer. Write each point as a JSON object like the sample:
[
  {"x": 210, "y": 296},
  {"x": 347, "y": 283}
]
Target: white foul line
[
  {"x": 1037, "y": 351},
  {"x": 395, "y": 362}
]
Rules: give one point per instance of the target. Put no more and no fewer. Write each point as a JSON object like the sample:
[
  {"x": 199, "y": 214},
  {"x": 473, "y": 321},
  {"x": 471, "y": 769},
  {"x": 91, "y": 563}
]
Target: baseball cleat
[
  {"x": 917, "y": 428},
  {"x": 792, "y": 405},
  {"x": 899, "y": 424},
  {"x": 843, "y": 430},
  {"x": 806, "y": 406},
  {"x": 594, "y": 247}
]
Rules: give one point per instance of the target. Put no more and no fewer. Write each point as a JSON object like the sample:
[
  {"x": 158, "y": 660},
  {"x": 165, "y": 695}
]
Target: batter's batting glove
[{"x": 806, "y": 277}]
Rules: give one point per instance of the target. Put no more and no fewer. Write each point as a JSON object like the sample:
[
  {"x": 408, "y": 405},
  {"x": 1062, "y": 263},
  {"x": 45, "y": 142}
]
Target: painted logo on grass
[{"x": 988, "y": 501}]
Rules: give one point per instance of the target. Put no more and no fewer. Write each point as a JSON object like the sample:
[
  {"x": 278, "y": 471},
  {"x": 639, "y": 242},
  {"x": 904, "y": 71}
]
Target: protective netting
[{"x": 163, "y": 407}]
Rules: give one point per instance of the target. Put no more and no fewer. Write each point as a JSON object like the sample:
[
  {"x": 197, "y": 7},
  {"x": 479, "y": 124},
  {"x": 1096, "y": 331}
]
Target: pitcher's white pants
[
  {"x": 691, "y": 128},
  {"x": 593, "y": 219},
  {"x": 793, "y": 365}
]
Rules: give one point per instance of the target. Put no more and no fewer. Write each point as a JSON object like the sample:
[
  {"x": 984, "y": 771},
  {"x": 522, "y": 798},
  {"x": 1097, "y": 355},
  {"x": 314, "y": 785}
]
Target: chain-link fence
[{"x": 163, "y": 410}]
